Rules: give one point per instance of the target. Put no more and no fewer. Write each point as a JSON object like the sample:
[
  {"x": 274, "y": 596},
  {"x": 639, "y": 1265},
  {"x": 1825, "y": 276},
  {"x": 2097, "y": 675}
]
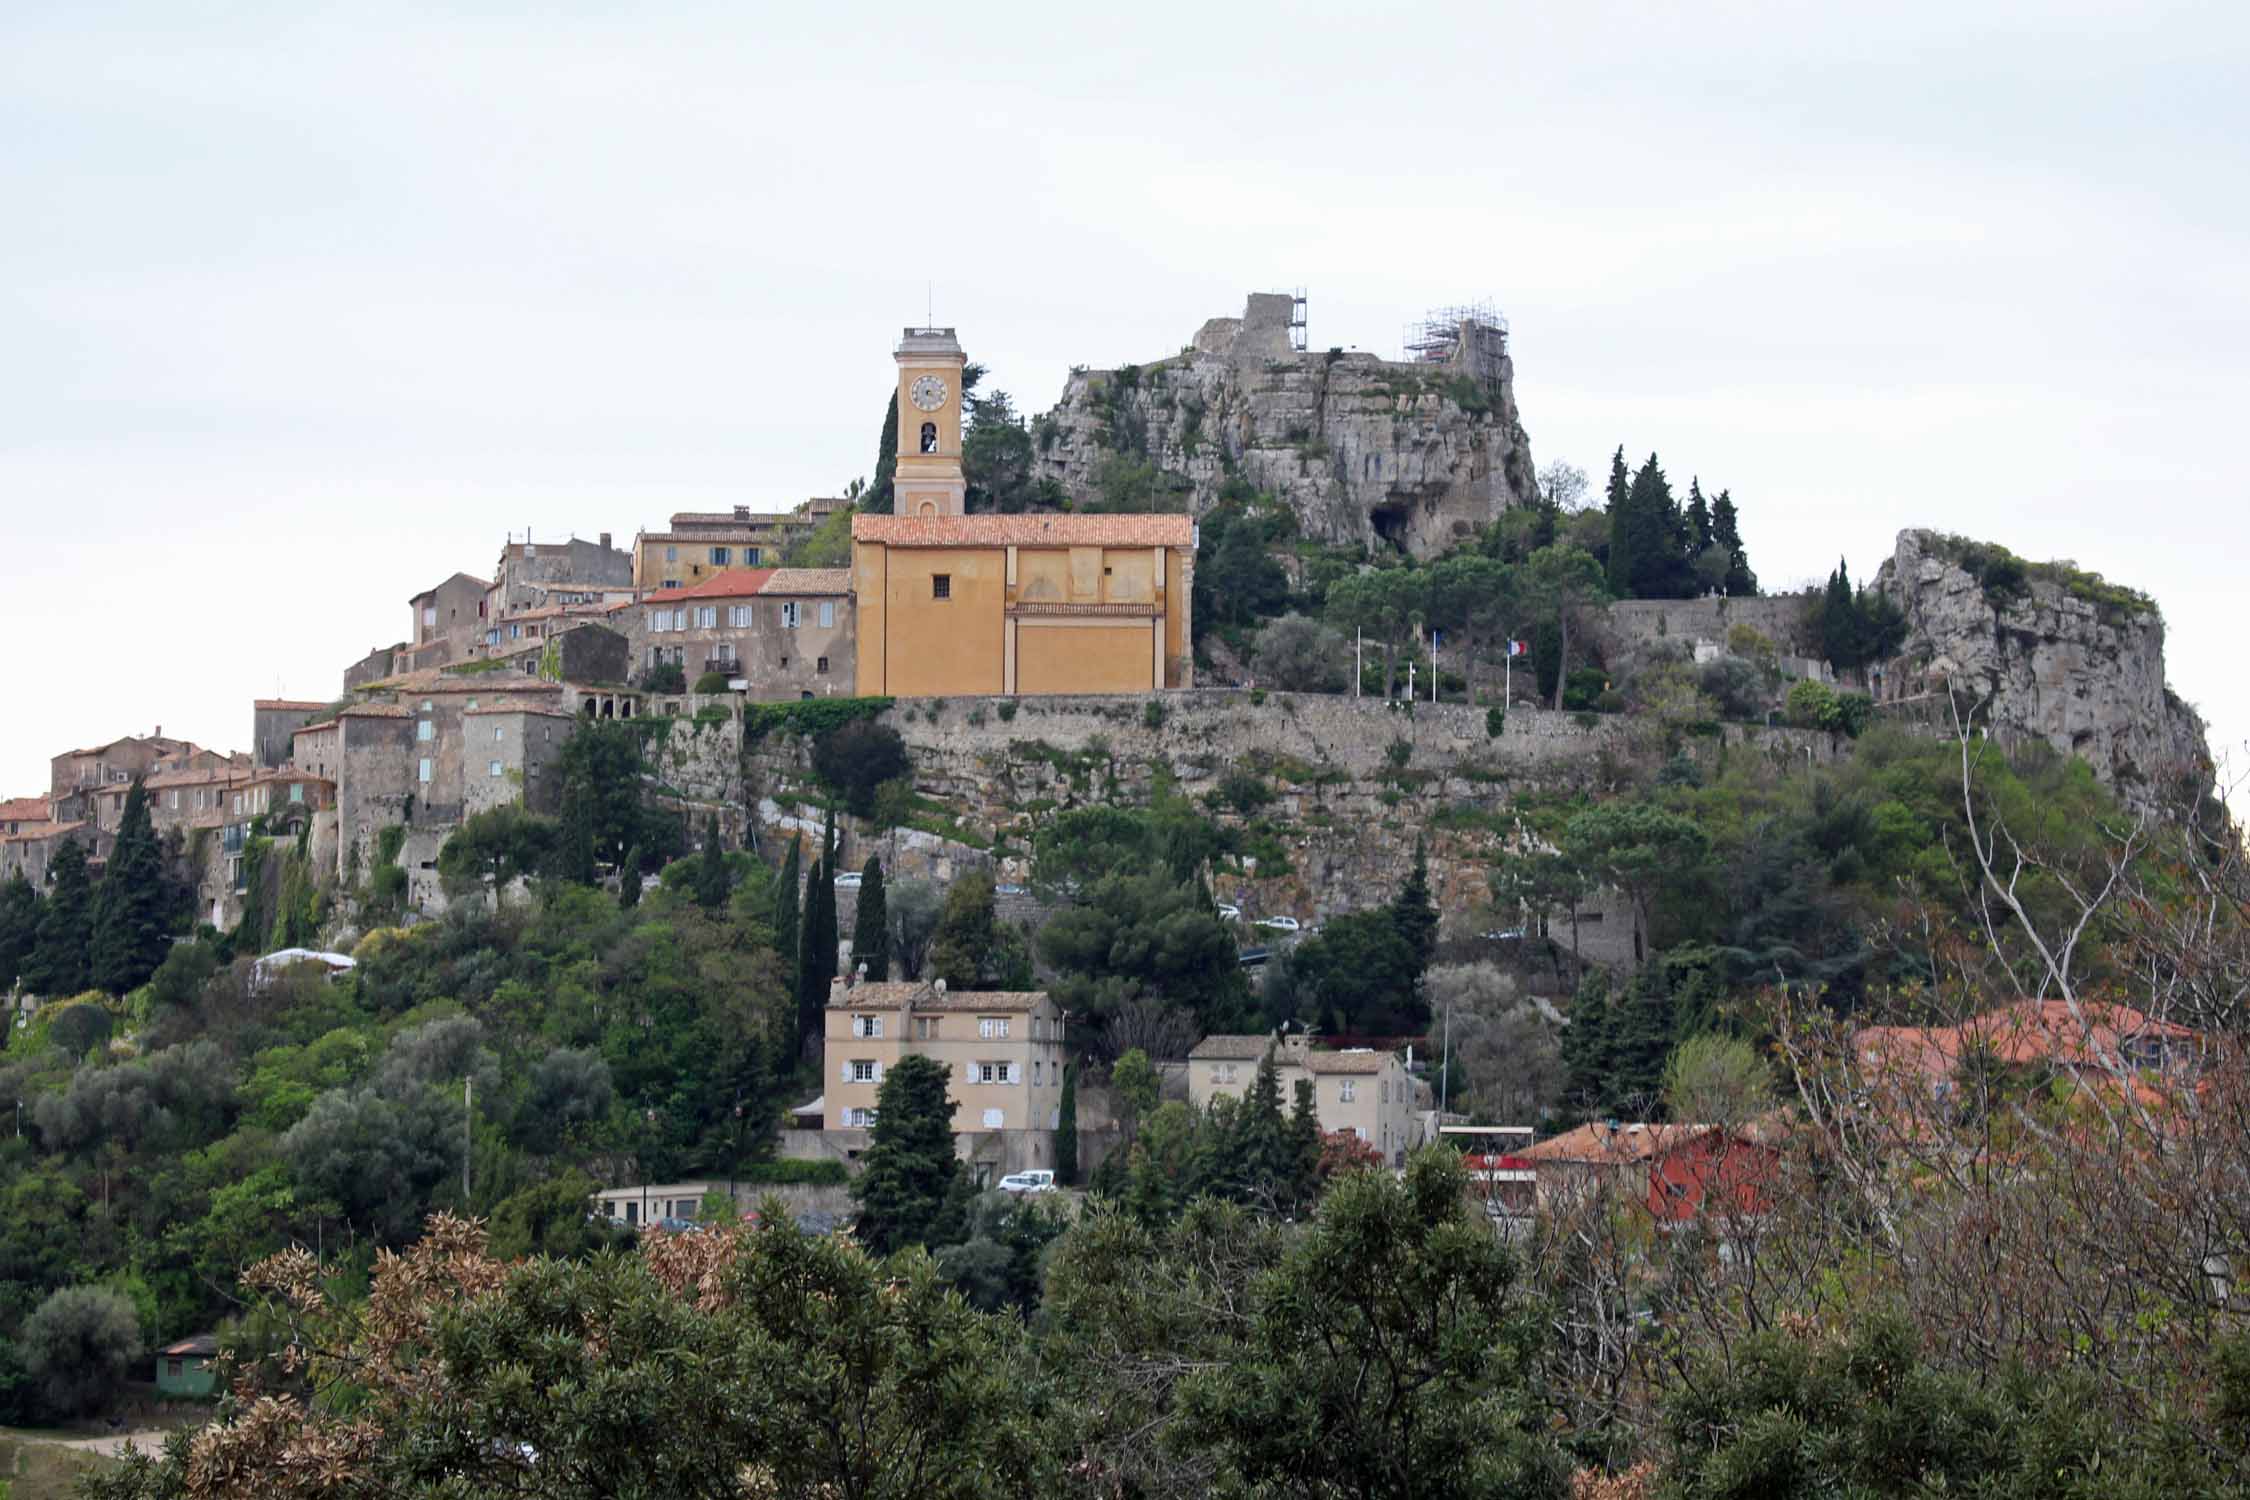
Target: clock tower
[{"x": 928, "y": 480}]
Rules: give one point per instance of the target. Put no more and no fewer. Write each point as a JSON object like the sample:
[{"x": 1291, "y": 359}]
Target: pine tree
[
  {"x": 19, "y": 927},
  {"x": 1066, "y": 1130},
  {"x": 871, "y": 925},
  {"x": 1725, "y": 532},
  {"x": 1623, "y": 532},
  {"x": 881, "y": 495},
  {"x": 574, "y": 851},
  {"x": 1652, "y": 535},
  {"x": 711, "y": 870},
  {"x": 629, "y": 879},
  {"x": 1414, "y": 914},
  {"x": 1262, "y": 1157},
  {"x": 909, "y": 1167},
  {"x": 130, "y": 932},
  {"x": 964, "y": 936},
  {"x": 1641, "y": 1036},
  {"x": 58, "y": 956}
]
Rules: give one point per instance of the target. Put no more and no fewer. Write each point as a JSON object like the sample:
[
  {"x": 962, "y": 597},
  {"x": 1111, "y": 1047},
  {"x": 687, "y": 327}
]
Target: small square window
[
  {"x": 941, "y": 585},
  {"x": 718, "y": 557},
  {"x": 496, "y": 771},
  {"x": 822, "y": 669},
  {"x": 499, "y": 733}
]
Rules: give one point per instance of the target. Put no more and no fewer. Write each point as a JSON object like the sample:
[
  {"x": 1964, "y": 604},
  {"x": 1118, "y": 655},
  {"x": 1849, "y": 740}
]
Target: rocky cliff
[
  {"x": 1416, "y": 454},
  {"x": 2053, "y": 652}
]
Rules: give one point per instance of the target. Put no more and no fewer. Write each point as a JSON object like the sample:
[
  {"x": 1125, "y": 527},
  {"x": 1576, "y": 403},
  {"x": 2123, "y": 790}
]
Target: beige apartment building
[
  {"x": 1002, "y": 1051},
  {"x": 1366, "y": 1092},
  {"x": 704, "y": 544},
  {"x": 779, "y": 632}
]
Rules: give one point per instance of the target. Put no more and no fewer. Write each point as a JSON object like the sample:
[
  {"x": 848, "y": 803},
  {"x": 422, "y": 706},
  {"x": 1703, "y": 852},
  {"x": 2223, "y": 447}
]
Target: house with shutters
[{"x": 1003, "y": 1055}]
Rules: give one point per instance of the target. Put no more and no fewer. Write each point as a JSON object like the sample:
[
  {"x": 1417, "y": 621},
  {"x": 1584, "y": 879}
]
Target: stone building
[
  {"x": 76, "y": 772},
  {"x": 778, "y": 632},
  {"x": 30, "y": 850},
  {"x": 700, "y": 545},
  {"x": 1366, "y": 1092},
  {"x": 532, "y": 575},
  {"x": 273, "y": 724},
  {"x": 509, "y": 749},
  {"x": 447, "y": 621},
  {"x": 379, "y": 663},
  {"x": 314, "y": 749},
  {"x": 1002, "y": 1052}
]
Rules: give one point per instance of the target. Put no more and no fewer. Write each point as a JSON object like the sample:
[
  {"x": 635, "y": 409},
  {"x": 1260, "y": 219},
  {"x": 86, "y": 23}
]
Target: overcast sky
[{"x": 304, "y": 307}]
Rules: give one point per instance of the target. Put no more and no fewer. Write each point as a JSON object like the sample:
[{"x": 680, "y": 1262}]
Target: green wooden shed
[{"x": 185, "y": 1368}]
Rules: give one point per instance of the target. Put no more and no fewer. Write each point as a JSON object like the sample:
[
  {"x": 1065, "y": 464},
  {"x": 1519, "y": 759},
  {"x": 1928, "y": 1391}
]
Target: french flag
[{"x": 1519, "y": 648}]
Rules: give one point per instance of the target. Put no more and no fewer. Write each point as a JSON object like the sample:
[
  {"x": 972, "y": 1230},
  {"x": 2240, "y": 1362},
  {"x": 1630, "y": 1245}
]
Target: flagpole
[{"x": 1359, "y": 634}]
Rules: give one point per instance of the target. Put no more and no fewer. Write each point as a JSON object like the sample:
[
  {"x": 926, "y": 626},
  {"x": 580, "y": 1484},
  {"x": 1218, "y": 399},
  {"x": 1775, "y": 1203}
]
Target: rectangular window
[
  {"x": 990, "y": 1027},
  {"x": 706, "y": 616},
  {"x": 175, "y": 799},
  {"x": 1035, "y": 1072},
  {"x": 671, "y": 583},
  {"x": 750, "y": 557},
  {"x": 1344, "y": 1091},
  {"x": 671, "y": 554},
  {"x": 496, "y": 768},
  {"x": 1223, "y": 1073},
  {"x": 790, "y": 610},
  {"x": 425, "y": 731},
  {"x": 718, "y": 557},
  {"x": 425, "y": 769},
  {"x": 863, "y": 1070},
  {"x": 499, "y": 733},
  {"x": 995, "y": 1072},
  {"x": 827, "y": 613},
  {"x": 238, "y": 802},
  {"x": 738, "y": 616},
  {"x": 822, "y": 668},
  {"x": 941, "y": 585},
  {"x": 296, "y": 791},
  {"x": 925, "y": 1028},
  {"x": 429, "y": 615},
  {"x": 867, "y": 1026},
  {"x": 859, "y": 1117},
  {"x": 1386, "y": 1091}
]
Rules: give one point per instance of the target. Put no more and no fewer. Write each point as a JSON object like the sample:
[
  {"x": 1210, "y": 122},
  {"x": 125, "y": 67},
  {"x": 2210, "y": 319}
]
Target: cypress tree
[
  {"x": 629, "y": 879},
  {"x": 879, "y": 498},
  {"x": 1699, "y": 534},
  {"x": 19, "y": 927},
  {"x": 871, "y": 927},
  {"x": 810, "y": 1001},
  {"x": 574, "y": 852},
  {"x": 1585, "y": 1045},
  {"x": 1066, "y": 1130},
  {"x": 785, "y": 913},
  {"x": 1263, "y": 1165},
  {"x": 1623, "y": 533},
  {"x": 58, "y": 956},
  {"x": 1839, "y": 620},
  {"x": 711, "y": 871},
  {"x": 1304, "y": 1143},
  {"x": 1641, "y": 1034},
  {"x": 909, "y": 1168},
  {"x": 130, "y": 933},
  {"x": 1414, "y": 914},
  {"x": 1652, "y": 567},
  {"x": 1725, "y": 531}
]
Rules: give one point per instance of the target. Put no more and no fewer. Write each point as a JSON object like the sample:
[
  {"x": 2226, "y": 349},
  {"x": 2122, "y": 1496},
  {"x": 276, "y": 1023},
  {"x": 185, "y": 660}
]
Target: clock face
[{"x": 928, "y": 393}]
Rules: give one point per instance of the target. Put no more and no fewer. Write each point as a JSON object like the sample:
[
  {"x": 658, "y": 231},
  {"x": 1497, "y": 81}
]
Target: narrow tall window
[
  {"x": 941, "y": 585},
  {"x": 929, "y": 437}
]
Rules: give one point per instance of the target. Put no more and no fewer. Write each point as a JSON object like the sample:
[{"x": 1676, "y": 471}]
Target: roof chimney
[
  {"x": 836, "y": 988},
  {"x": 605, "y": 541}
]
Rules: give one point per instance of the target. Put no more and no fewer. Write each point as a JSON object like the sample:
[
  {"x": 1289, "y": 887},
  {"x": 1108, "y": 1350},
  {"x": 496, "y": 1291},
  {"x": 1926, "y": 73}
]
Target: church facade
[{"x": 950, "y": 603}]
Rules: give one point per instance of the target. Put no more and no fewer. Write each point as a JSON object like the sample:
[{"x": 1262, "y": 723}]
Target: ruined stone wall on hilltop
[{"x": 1361, "y": 449}]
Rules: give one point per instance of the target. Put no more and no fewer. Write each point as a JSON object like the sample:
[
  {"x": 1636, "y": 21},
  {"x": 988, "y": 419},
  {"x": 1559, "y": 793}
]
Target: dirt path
[{"x": 148, "y": 1440}]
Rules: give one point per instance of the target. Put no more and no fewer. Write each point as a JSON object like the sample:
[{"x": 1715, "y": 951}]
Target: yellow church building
[{"x": 950, "y": 603}]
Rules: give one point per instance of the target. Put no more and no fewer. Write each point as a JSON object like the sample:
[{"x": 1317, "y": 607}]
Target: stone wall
[
  {"x": 1635, "y": 624},
  {"x": 1362, "y": 449}
]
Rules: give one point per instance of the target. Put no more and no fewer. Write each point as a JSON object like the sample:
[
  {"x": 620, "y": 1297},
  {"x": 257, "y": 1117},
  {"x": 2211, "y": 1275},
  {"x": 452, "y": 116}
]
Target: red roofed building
[
  {"x": 781, "y": 632},
  {"x": 2096, "y": 1036},
  {"x": 1676, "y": 1172}
]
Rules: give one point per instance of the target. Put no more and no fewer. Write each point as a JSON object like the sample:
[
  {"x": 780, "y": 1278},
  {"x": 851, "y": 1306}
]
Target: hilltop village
[{"x": 1107, "y": 852}]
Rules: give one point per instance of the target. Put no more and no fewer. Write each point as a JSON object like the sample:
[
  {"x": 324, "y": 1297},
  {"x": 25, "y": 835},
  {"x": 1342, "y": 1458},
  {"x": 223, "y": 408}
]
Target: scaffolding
[
  {"x": 1473, "y": 334},
  {"x": 1297, "y": 333}
]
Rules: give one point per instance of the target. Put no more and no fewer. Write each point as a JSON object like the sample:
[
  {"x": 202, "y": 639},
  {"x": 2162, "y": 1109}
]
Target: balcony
[{"x": 726, "y": 664}]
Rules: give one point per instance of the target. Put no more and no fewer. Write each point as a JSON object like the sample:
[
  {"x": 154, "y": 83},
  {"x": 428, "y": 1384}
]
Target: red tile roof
[
  {"x": 2028, "y": 1031},
  {"x": 313, "y": 728},
  {"x": 876, "y": 994},
  {"x": 809, "y": 581},
  {"x": 734, "y": 583},
  {"x": 24, "y": 810},
  {"x": 1026, "y": 531},
  {"x": 1600, "y": 1143}
]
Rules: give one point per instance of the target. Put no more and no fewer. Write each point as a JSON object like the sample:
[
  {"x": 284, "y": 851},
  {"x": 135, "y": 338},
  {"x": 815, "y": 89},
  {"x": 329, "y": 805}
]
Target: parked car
[
  {"x": 1010, "y": 890},
  {"x": 1510, "y": 935},
  {"x": 1028, "y": 1182},
  {"x": 1278, "y": 924},
  {"x": 1229, "y": 912},
  {"x": 848, "y": 881}
]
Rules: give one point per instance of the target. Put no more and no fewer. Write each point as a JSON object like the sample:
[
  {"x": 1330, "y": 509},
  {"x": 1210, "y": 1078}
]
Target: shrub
[
  {"x": 1810, "y": 704},
  {"x": 1244, "y": 791},
  {"x": 711, "y": 682},
  {"x": 1495, "y": 720},
  {"x": 857, "y": 758},
  {"x": 1007, "y": 711},
  {"x": 1300, "y": 655},
  {"x": 795, "y": 1174},
  {"x": 1735, "y": 685},
  {"x": 1398, "y": 752},
  {"x": 1152, "y": 716},
  {"x": 1583, "y": 686},
  {"x": 666, "y": 677},
  {"x": 78, "y": 1346}
]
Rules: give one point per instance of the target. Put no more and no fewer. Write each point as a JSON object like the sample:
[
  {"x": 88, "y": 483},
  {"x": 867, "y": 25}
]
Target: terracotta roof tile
[
  {"x": 376, "y": 711},
  {"x": 1026, "y": 531},
  {"x": 734, "y": 583},
  {"x": 41, "y": 832},
  {"x": 438, "y": 680},
  {"x": 1230, "y": 1048},
  {"x": 517, "y": 706},
  {"x": 312, "y": 728},
  {"x": 809, "y": 581},
  {"x": 1345, "y": 1062},
  {"x": 285, "y": 703}
]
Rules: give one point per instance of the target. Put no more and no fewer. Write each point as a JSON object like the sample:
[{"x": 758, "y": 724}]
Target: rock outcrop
[
  {"x": 2053, "y": 653},
  {"x": 1416, "y": 454}
]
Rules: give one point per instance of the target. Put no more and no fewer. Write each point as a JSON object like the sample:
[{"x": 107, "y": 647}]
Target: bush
[
  {"x": 1735, "y": 685},
  {"x": 1244, "y": 791},
  {"x": 1007, "y": 711},
  {"x": 1399, "y": 752},
  {"x": 856, "y": 759},
  {"x": 795, "y": 1174},
  {"x": 1584, "y": 686},
  {"x": 1152, "y": 716},
  {"x": 78, "y": 1348},
  {"x": 1300, "y": 655},
  {"x": 1811, "y": 704},
  {"x": 1495, "y": 720},
  {"x": 667, "y": 677},
  {"x": 712, "y": 682}
]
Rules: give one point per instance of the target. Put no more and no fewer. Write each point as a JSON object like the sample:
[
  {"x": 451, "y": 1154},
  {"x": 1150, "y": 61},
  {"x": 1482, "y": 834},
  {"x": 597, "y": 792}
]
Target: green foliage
[
  {"x": 498, "y": 844},
  {"x": 603, "y": 768},
  {"x": 712, "y": 882},
  {"x": 711, "y": 682},
  {"x": 57, "y": 962},
  {"x": 1857, "y": 628},
  {"x": 909, "y": 1168},
  {"x": 828, "y": 545},
  {"x": 1066, "y": 1129},
  {"x": 857, "y": 757},
  {"x": 1144, "y": 936},
  {"x": 19, "y": 926},
  {"x": 129, "y": 913},
  {"x": 664, "y": 677},
  {"x": 882, "y": 494},
  {"x": 552, "y": 1219},
  {"x": 1359, "y": 976},
  {"x": 871, "y": 923},
  {"x": 813, "y": 717},
  {"x": 965, "y": 938},
  {"x": 78, "y": 1348}
]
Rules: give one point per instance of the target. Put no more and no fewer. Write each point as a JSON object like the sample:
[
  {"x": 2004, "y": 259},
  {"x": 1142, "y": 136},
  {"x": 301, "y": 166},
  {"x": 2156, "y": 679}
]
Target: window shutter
[
  {"x": 878, "y": 1072},
  {"x": 844, "y": 1071}
]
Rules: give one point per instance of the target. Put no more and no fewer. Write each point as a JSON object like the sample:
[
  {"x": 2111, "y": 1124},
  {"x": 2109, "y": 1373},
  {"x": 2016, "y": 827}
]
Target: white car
[
  {"x": 1028, "y": 1182},
  {"x": 848, "y": 881},
  {"x": 1228, "y": 912},
  {"x": 1278, "y": 924}
]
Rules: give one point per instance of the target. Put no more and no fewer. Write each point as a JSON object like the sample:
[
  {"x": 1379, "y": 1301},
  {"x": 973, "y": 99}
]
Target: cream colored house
[
  {"x": 1002, "y": 1051},
  {"x": 1367, "y": 1092}
]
